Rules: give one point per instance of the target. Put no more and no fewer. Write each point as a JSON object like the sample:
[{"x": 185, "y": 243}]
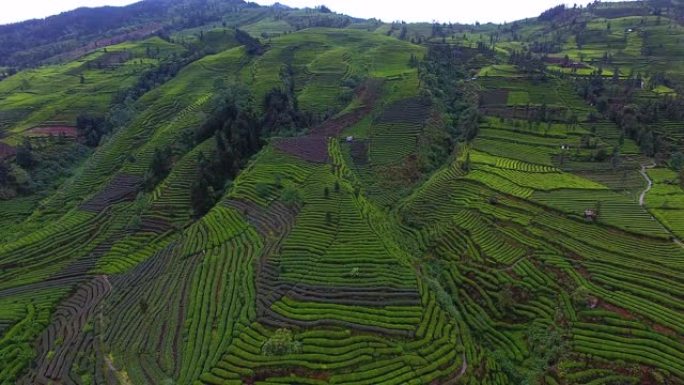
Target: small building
[
  {"x": 590, "y": 214},
  {"x": 593, "y": 302},
  {"x": 350, "y": 139}
]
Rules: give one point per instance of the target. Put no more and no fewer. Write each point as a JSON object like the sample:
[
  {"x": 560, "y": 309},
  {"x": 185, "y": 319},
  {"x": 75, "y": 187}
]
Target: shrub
[
  {"x": 291, "y": 196},
  {"x": 281, "y": 343},
  {"x": 24, "y": 155},
  {"x": 262, "y": 189}
]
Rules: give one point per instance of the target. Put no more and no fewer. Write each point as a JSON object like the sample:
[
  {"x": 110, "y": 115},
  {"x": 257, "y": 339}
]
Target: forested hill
[
  {"x": 33, "y": 42},
  {"x": 213, "y": 192}
]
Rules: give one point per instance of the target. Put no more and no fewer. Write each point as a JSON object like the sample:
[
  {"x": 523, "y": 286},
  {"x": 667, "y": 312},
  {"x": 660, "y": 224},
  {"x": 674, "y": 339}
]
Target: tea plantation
[{"x": 269, "y": 195}]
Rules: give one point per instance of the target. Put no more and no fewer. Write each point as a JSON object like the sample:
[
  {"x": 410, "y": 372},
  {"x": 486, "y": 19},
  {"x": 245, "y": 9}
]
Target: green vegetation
[{"x": 220, "y": 193}]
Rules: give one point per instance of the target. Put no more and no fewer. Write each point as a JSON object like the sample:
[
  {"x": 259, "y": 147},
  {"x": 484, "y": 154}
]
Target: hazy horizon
[{"x": 496, "y": 11}]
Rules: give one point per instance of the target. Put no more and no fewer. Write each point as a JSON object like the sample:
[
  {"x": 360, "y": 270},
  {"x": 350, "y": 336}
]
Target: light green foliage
[
  {"x": 55, "y": 95},
  {"x": 281, "y": 343},
  {"x": 404, "y": 256}
]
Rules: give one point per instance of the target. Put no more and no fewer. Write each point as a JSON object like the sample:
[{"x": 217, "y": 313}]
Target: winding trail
[
  {"x": 642, "y": 201},
  {"x": 460, "y": 374},
  {"x": 464, "y": 368},
  {"x": 642, "y": 197}
]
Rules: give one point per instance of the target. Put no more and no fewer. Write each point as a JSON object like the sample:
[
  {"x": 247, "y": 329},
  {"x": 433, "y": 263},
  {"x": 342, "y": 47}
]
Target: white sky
[
  {"x": 19, "y": 10},
  {"x": 464, "y": 11}
]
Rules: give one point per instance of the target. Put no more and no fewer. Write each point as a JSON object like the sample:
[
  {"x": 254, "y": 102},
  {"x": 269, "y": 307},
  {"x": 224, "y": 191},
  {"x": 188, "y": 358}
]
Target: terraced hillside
[{"x": 281, "y": 196}]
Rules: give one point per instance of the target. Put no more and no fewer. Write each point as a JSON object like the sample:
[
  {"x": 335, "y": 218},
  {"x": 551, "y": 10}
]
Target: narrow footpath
[{"x": 642, "y": 200}]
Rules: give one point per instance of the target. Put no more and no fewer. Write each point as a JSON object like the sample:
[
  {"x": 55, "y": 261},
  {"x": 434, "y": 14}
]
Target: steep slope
[{"x": 349, "y": 202}]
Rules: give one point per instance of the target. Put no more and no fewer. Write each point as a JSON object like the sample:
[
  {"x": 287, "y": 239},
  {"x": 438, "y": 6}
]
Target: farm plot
[
  {"x": 494, "y": 98},
  {"x": 521, "y": 152},
  {"x": 67, "y": 335},
  {"x": 121, "y": 188},
  {"x": 365, "y": 293},
  {"x": 551, "y": 93},
  {"x": 314, "y": 146},
  {"x": 614, "y": 209},
  {"x": 381, "y": 147},
  {"x": 599, "y": 257},
  {"x": 394, "y": 134},
  {"x": 332, "y": 238},
  {"x": 55, "y": 93},
  {"x": 522, "y": 184},
  {"x": 56, "y": 131},
  {"x": 329, "y": 355}
]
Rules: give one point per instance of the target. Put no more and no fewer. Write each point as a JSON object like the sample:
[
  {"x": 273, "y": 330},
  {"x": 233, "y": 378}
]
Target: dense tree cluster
[
  {"x": 637, "y": 118},
  {"x": 317, "y": 18},
  {"x": 252, "y": 45},
  {"x": 91, "y": 129},
  {"x": 159, "y": 168},
  {"x": 443, "y": 72},
  {"x": 552, "y": 13},
  {"x": 38, "y": 165},
  {"x": 238, "y": 132},
  {"x": 527, "y": 62}
]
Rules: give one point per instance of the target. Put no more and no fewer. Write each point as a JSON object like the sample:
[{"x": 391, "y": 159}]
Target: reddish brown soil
[
  {"x": 6, "y": 151},
  {"x": 616, "y": 309},
  {"x": 264, "y": 374},
  {"x": 123, "y": 187},
  {"x": 408, "y": 111},
  {"x": 662, "y": 329},
  {"x": 314, "y": 146},
  {"x": 368, "y": 94},
  {"x": 399, "y": 175},
  {"x": 494, "y": 98},
  {"x": 519, "y": 112},
  {"x": 647, "y": 377},
  {"x": 311, "y": 148},
  {"x": 564, "y": 64},
  {"x": 67, "y": 131},
  {"x": 359, "y": 152}
]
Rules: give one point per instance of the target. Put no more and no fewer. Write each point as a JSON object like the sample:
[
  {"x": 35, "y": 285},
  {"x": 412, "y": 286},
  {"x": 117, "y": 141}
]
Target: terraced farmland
[{"x": 284, "y": 196}]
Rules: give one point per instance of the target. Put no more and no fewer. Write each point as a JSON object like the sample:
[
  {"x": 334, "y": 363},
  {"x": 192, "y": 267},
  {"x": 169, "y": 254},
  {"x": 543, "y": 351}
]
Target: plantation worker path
[
  {"x": 642, "y": 197},
  {"x": 642, "y": 200}
]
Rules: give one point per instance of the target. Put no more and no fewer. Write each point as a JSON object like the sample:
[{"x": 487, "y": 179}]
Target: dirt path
[
  {"x": 464, "y": 367},
  {"x": 642, "y": 201},
  {"x": 643, "y": 173},
  {"x": 460, "y": 374}
]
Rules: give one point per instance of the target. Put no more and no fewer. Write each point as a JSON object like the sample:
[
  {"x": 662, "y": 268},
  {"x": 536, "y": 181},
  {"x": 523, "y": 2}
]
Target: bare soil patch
[
  {"x": 66, "y": 131},
  {"x": 494, "y": 98},
  {"x": 6, "y": 151}
]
